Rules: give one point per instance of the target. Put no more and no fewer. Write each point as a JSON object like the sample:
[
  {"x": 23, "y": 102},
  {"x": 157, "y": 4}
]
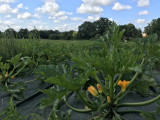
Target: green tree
[
  {"x": 23, "y": 33},
  {"x": 0, "y": 34},
  {"x": 130, "y": 31},
  {"x": 153, "y": 27},
  {"x": 95, "y": 29},
  {"x": 74, "y": 35},
  {"x": 10, "y": 33},
  {"x": 86, "y": 31},
  {"x": 67, "y": 35},
  {"x": 102, "y": 25},
  {"x": 34, "y": 34},
  {"x": 54, "y": 36}
]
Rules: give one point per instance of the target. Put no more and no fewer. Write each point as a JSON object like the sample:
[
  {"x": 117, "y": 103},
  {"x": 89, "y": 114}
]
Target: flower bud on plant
[
  {"x": 123, "y": 85},
  {"x": 6, "y": 75},
  {"x": 108, "y": 99},
  {"x": 86, "y": 107},
  {"x": 12, "y": 77},
  {"x": 0, "y": 76},
  {"x": 93, "y": 91},
  {"x": 99, "y": 87}
]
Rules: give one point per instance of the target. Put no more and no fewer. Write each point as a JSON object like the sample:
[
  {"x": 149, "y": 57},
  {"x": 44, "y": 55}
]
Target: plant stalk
[
  {"x": 78, "y": 110},
  {"x": 118, "y": 80},
  {"x": 140, "y": 103},
  {"x": 85, "y": 102}
]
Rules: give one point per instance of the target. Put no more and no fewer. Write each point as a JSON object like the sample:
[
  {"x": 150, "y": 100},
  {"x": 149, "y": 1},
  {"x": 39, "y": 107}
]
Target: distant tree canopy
[
  {"x": 153, "y": 27},
  {"x": 23, "y": 33},
  {"x": 89, "y": 30},
  {"x": 10, "y": 33},
  {"x": 130, "y": 31}
]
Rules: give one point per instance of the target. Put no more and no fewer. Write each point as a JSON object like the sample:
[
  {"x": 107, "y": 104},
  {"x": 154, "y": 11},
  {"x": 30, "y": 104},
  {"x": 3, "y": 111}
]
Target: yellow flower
[
  {"x": 63, "y": 55},
  {"x": 108, "y": 99},
  {"x": 99, "y": 87},
  {"x": 123, "y": 85},
  {"x": 6, "y": 75},
  {"x": 12, "y": 77},
  {"x": 86, "y": 107},
  {"x": 92, "y": 90},
  {"x": 0, "y": 76}
]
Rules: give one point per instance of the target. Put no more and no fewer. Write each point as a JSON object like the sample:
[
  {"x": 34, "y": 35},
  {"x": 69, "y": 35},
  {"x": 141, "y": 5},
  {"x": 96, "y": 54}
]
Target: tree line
[{"x": 87, "y": 30}]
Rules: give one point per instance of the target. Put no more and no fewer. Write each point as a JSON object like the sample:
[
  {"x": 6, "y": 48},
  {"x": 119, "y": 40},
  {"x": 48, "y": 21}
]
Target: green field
[{"x": 97, "y": 77}]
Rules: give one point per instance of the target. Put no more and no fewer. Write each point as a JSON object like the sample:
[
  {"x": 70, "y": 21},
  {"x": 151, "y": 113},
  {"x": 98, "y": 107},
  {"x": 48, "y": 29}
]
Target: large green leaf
[
  {"x": 68, "y": 82},
  {"x": 142, "y": 85},
  {"x": 15, "y": 60},
  {"x": 53, "y": 95},
  {"x": 48, "y": 71}
]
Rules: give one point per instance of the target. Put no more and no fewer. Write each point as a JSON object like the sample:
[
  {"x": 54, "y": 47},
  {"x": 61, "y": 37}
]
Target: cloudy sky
[{"x": 67, "y": 15}]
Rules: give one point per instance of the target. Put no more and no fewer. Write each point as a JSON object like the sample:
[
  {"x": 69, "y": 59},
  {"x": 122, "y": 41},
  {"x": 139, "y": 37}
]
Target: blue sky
[{"x": 64, "y": 15}]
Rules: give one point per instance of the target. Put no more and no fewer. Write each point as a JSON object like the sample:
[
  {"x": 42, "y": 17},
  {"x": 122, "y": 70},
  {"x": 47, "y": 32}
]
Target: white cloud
[
  {"x": 98, "y": 2},
  {"x": 93, "y": 6},
  {"x": 111, "y": 19},
  {"x": 89, "y": 18},
  {"x": 5, "y": 9},
  {"x": 51, "y": 17},
  {"x": 15, "y": 10},
  {"x": 56, "y": 21},
  {"x": 20, "y": 5},
  {"x": 63, "y": 18},
  {"x": 9, "y": 23},
  {"x": 66, "y": 27},
  {"x": 50, "y": 7},
  {"x": 143, "y": 3},
  {"x": 39, "y": 27},
  {"x": 7, "y": 16},
  {"x": 37, "y": 16},
  {"x": 144, "y": 12},
  {"x": 84, "y": 8},
  {"x": 7, "y": 1},
  {"x": 16, "y": 27},
  {"x": 69, "y": 13},
  {"x": 6, "y": 23},
  {"x": 0, "y": 21},
  {"x": 76, "y": 19},
  {"x": 25, "y": 15},
  {"x": 92, "y": 18},
  {"x": 140, "y": 21},
  {"x": 118, "y": 6},
  {"x": 60, "y": 13}
]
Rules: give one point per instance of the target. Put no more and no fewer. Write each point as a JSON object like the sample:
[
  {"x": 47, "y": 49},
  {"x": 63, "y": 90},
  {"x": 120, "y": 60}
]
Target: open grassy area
[{"x": 29, "y": 47}]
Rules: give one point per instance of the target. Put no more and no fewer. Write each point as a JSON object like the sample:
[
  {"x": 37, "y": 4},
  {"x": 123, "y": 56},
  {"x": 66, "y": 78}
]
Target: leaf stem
[
  {"x": 140, "y": 103},
  {"x": 111, "y": 89},
  {"x": 118, "y": 80},
  {"x": 20, "y": 70},
  {"x": 130, "y": 111},
  {"x": 116, "y": 114},
  {"x": 85, "y": 102},
  {"x": 78, "y": 110},
  {"x": 30, "y": 81}
]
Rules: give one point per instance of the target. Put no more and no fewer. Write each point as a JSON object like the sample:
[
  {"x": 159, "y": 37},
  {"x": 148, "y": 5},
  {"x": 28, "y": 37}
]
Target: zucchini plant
[
  {"x": 11, "y": 69},
  {"x": 108, "y": 66}
]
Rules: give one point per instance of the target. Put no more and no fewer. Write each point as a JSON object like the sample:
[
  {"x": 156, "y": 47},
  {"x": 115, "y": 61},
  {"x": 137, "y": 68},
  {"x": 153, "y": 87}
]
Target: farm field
[{"x": 97, "y": 79}]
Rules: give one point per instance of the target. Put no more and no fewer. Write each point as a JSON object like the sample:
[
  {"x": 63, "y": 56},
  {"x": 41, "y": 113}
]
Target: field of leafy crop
[{"x": 90, "y": 80}]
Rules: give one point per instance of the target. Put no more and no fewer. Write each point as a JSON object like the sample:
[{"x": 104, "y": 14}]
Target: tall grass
[{"x": 36, "y": 48}]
